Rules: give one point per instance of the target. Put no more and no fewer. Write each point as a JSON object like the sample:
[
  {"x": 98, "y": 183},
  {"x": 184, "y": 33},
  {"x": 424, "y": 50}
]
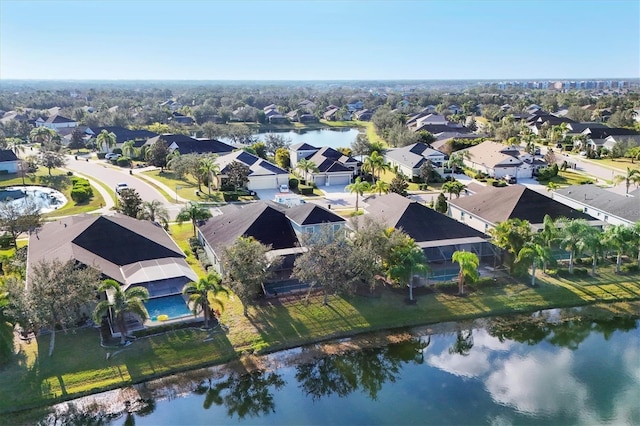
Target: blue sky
[{"x": 319, "y": 40}]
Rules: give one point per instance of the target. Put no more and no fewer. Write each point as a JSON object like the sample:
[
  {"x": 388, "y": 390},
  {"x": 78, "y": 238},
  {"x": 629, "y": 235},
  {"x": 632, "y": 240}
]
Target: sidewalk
[{"x": 140, "y": 175}]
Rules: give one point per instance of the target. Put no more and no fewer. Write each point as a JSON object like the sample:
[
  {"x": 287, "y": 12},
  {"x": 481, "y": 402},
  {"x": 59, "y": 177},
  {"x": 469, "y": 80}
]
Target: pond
[
  {"x": 46, "y": 199},
  {"x": 333, "y": 138},
  {"x": 550, "y": 368}
]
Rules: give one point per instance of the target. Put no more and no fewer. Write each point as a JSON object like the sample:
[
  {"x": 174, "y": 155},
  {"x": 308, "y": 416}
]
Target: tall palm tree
[
  {"x": 404, "y": 261},
  {"x": 203, "y": 295},
  {"x": 635, "y": 242},
  {"x": 453, "y": 187},
  {"x": 380, "y": 187},
  {"x": 106, "y": 140},
  {"x": 632, "y": 176},
  {"x": 375, "y": 163},
  {"x": 210, "y": 168},
  {"x": 533, "y": 252},
  {"x": 129, "y": 149},
  {"x": 42, "y": 135},
  {"x": 594, "y": 244},
  {"x": 548, "y": 236},
  {"x": 120, "y": 303},
  {"x": 359, "y": 186},
  {"x": 154, "y": 211},
  {"x": 468, "y": 263},
  {"x": 572, "y": 234},
  {"x": 619, "y": 238},
  {"x": 306, "y": 167},
  {"x": 192, "y": 212}
]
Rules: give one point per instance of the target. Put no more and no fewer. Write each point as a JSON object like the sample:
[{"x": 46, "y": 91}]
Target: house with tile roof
[
  {"x": 408, "y": 159},
  {"x": 438, "y": 235},
  {"x": 601, "y": 203},
  {"x": 263, "y": 174},
  {"x": 487, "y": 208},
  {"x": 497, "y": 160}
]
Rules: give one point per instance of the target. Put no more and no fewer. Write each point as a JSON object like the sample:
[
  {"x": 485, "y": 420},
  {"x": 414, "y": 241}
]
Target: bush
[
  {"x": 6, "y": 241},
  {"x": 69, "y": 173},
  {"x": 81, "y": 194},
  {"x": 499, "y": 183},
  {"x": 101, "y": 155},
  {"x": 305, "y": 190},
  {"x": 631, "y": 268},
  {"x": 117, "y": 151},
  {"x": 123, "y": 161},
  {"x": 230, "y": 196},
  {"x": 293, "y": 184}
]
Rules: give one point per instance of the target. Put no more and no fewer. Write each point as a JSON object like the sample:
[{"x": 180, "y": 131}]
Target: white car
[
  {"x": 284, "y": 188},
  {"x": 121, "y": 186},
  {"x": 112, "y": 156}
]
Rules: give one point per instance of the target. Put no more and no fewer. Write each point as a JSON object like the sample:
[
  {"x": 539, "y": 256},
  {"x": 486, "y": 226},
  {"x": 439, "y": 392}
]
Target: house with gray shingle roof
[
  {"x": 601, "y": 203},
  {"x": 334, "y": 168},
  {"x": 408, "y": 159},
  {"x": 487, "y": 208},
  {"x": 263, "y": 174},
  {"x": 497, "y": 160},
  {"x": 309, "y": 217},
  {"x": 8, "y": 161},
  {"x": 56, "y": 122}
]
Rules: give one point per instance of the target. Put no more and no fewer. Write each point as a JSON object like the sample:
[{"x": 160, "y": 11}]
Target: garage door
[
  {"x": 262, "y": 182},
  {"x": 339, "y": 180}
]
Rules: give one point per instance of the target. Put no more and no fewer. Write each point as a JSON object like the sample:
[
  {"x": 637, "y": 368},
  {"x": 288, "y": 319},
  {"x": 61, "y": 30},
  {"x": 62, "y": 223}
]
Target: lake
[
  {"x": 515, "y": 370},
  {"x": 333, "y": 138}
]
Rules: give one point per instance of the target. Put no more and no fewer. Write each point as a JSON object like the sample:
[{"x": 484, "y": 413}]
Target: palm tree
[
  {"x": 306, "y": 167},
  {"x": 374, "y": 162},
  {"x": 635, "y": 230},
  {"x": 129, "y": 149},
  {"x": 120, "y": 303},
  {"x": 359, "y": 187},
  {"x": 533, "y": 252},
  {"x": 619, "y": 238},
  {"x": 572, "y": 234},
  {"x": 405, "y": 260},
  {"x": 468, "y": 263},
  {"x": 593, "y": 243},
  {"x": 192, "y": 212},
  {"x": 453, "y": 187},
  {"x": 632, "y": 176},
  {"x": 548, "y": 235},
  {"x": 380, "y": 187},
  {"x": 211, "y": 169},
  {"x": 204, "y": 294},
  {"x": 154, "y": 211},
  {"x": 106, "y": 140},
  {"x": 42, "y": 135},
  {"x": 552, "y": 186}
]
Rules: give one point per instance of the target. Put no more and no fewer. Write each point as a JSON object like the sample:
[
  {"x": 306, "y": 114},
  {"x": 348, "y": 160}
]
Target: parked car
[
  {"x": 284, "y": 188},
  {"x": 511, "y": 179},
  {"x": 112, "y": 156},
  {"x": 121, "y": 186}
]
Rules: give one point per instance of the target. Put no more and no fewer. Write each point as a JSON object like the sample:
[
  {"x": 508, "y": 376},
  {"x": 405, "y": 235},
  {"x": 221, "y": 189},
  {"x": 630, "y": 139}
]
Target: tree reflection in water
[
  {"x": 463, "y": 344},
  {"x": 243, "y": 395},
  {"x": 365, "y": 370}
]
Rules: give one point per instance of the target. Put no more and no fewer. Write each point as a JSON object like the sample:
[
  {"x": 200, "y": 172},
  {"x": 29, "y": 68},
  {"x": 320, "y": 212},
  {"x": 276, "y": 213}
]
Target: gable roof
[
  {"x": 303, "y": 146},
  {"x": 627, "y": 208},
  {"x": 312, "y": 214},
  {"x": 170, "y": 138},
  {"x": 420, "y": 222},
  {"x": 491, "y": 153},
  {"x": 330, "y": 160},
  {"x": 603, "y": 132},
  {"x": 200, "y": 146},
  {"x": 412, "y": 156},
  {"x": 111, "y": 244},
  {"x": 123, "y": 134},
  {"x": 257, "y": 165},
  {"x": 264, "y": 221},
  {"x": 495, "y": 205},
  {"x": 58, "y": 119},
  {"x": 7, "y": 155}
]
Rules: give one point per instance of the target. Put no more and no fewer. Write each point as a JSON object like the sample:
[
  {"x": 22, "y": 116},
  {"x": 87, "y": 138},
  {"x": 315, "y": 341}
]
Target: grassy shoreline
[{"x": 79, "y": 366}]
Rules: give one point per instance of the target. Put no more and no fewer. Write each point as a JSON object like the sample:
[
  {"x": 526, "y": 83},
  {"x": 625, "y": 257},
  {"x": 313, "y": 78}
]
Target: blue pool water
[
  {"x": 444, "y": 275},
  {"x": 172, "y": 306}
]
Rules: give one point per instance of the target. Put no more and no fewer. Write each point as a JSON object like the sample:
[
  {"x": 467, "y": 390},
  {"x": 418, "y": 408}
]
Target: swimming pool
[{"x": 171, "y": 306}]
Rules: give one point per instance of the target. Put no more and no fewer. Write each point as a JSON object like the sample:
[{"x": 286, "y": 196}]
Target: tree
[
  {"x": 212, "y": 131},
  {"x": 203, "y": 295},
  {"x": 399, "y": 185},
  {"x": 282, "y": 158},
  {"x": 359, "y": 187},
  {"x": 306, "y": 167},
  {"x": 42, "y": 135},
  {"x": 58, "y": 295},
  {"x": 635, "y": 240},
  {"x": 246, "y": 268},
  {"x": 534, "y": 253},
  {"x": 238, "y": 174},
  {"x": 572, "y": 234},
  {"x": 548, "y": 236},
  {"x": 52, "y": 160},
  {"x": 468, "y": 263},
  {"x": 374, "y": 163},
  {"x": 441, "y": 204},
  {"x": 16, "y": 219},
  {"x": 275, "y": 141},
  {"x": 154, "y": 211},
  {"x": 157, "y": 154},
  {"x": 106, "y": 140},
  {"x": 194, "y": 213},
  {"x": 120, "y": 303},
  {"x": 632, "y": 176},
  {"x": 380, "y": 187},
  {"x": 327, "y": 264},
  {"x": 129, "y": 149},
  {"x": 129, "y": 202},
  {"x": 426, "y": 172},
  {"x": 211, "y": 169},
  {"x": 511, "y": 235},
  {"x": 619, "y": 238},
  {"x": 594, "y": 243},
  {"x": 453, "y": 187},
  {"x": 405, "y": 260}
]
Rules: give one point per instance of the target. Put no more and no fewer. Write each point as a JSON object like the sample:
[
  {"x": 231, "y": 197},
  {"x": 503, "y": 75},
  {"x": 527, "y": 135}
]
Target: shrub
[
  {"x": 123, "y": 161},
  {"x": 499, "y": 183},
  {"x": 69, "y": 173},
  {"x": 293, "y": 184},
  {"x": 101, "y": 155},
  {"x": 6, "y": 241},
  {"x": 81, "y": 194},
  {"x": 230, "y": 196},
  {"x": 305, "y": 190},
  {"x": 631, "y": 268},
  {"x": 117, "y": 151},
  {"x": 194, "y": 243}
]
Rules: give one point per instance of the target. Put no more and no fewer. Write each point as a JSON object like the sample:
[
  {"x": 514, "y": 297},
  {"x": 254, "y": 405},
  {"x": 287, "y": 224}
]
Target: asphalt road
[{"x": 110, "y": 175}]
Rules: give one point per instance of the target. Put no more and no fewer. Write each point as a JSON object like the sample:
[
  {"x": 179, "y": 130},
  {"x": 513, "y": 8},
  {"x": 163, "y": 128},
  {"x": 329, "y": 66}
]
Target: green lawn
[
  {"x": 60, "y": 181},
  {"x": 568, "y": 178},
  {"x": 186, "y": 187},
  {"x": 619, "y": 164}
]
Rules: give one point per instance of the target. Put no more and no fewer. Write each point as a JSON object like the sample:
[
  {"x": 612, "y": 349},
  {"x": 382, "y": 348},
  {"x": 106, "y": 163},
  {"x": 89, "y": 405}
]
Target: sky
[{"x": 319, "y": 40}]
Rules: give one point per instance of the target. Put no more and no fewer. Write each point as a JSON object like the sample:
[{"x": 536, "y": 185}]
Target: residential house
[
  {"x": 410, "y": 158},
  {"x": 487, "y": 208},
  {"x": 176, "y": 117},
  {"x": 277, "y": 119},
  {"x": 130, "y": 251},
  {"x": 630, "y": 140},
  {"x": 171, "y": 105},
  {"x": 354, "y": 106},
  {"x": 333, "y": 114},
  {"x": 438, "y": 235},
  {"x": 201, "y": 146},
  {"x": 9, "y": 162},
  {"x": 363, "y": 115},
  {"x": 454, "y": 109},
  {"x": 299, "y": 151},
  {"x": 56, "y": 122},
  {"x": 596, "y": 137},
  {"x": 123, "y": 134},
  {"x": 307, "y": 105},
  {"x": 307, "y": 118},
  {"x": 601, "y": 203},
  {"x": 497, "y": 160},
  {"x": 309, "y": 218},
  {"x": 333, "y": 167},
  {"x": 263, "y": 174},
  {"x": 169, "y": 139},
  {"x": 292, "y": 115}
]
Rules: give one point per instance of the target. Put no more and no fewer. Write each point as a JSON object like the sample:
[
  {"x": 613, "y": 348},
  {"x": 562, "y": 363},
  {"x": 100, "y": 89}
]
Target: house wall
[
  {"x": 295, "y": 156},
  {"x": 213, "y": 258},
  {"x": 9, "y": 166},
  {"x": 473, "y": 221},
  {"x": 591, "y": 211},
  {"x": 56, "y": 126}
]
